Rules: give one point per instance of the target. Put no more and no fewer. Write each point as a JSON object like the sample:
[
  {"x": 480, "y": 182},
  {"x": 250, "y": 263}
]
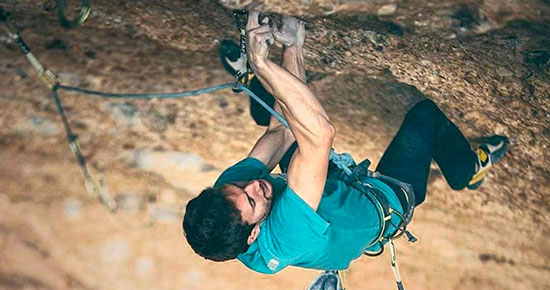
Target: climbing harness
[
  {"x": 354, "y": 174},
  {"x": 81, "y": 18}
]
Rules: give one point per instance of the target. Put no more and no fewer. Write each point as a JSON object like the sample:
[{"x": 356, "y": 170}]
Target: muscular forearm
[
  {"x": 298, "y": 103},
  {"x": 275, "y": 142},
  {"x": 272, "y": 146},
  {"x": 293, "y": 61}
]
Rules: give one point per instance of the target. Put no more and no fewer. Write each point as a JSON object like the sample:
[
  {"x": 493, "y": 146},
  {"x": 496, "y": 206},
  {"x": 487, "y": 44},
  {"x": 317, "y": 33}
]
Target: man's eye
[{"x": 252, "y": 202}]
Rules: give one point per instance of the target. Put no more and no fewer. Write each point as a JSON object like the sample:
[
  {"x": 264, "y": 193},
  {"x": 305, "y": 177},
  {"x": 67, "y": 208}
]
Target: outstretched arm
[
  {"x": 306, "y": 116},
  {"x": 272, "y": 146}
]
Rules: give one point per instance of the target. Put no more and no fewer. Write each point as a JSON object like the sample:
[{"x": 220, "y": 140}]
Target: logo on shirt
[{"x": 273, "y": 264}]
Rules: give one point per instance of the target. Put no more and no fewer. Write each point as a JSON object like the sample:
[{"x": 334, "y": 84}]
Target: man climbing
[{"x": 310, "y": 216}]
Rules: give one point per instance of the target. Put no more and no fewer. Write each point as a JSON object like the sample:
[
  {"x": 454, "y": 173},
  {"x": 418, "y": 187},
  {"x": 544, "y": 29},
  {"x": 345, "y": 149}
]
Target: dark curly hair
[{"x": 213, "y": 226}]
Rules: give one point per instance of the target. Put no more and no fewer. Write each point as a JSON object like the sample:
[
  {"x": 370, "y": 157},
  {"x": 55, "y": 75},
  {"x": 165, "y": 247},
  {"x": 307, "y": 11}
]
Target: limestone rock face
[
  {"x": 488, "y": 13},
  {"x": 300, "y": 7},
  {"x": 486, "y": 63}
]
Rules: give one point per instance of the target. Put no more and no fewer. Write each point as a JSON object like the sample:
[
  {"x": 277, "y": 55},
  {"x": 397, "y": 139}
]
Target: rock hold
[
  {"x": 304, "y": 7},
  {"x": 503, "y": 72},
  {"x": 388, "y": 9}
]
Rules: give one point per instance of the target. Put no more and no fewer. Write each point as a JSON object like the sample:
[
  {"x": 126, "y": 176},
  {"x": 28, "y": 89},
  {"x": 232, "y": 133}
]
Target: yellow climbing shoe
[{"x": 487, "y": 155}]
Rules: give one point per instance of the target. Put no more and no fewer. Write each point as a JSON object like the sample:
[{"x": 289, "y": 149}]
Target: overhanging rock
[{"x": 485, "y": 14}]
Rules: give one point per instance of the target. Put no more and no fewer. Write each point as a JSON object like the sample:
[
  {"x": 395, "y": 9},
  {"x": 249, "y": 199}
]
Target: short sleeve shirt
[{"x": 293, "y": 234}]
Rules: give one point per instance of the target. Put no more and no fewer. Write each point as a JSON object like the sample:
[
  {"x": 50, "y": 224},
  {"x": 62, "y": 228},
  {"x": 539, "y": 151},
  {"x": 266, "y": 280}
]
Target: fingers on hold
[
  {"x": 253, "y": 19},
  {"x": 274, "y": 28},
  {"x": 264, "y": 36},
  {"x": 277, "y": 36},
  {"x": 259, "y": 30}
]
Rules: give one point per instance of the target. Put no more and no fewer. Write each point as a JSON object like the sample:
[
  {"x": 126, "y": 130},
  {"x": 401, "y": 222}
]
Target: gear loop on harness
[
  {"x": 81, "y": 18},
  {"x": 355, "y": 178}
]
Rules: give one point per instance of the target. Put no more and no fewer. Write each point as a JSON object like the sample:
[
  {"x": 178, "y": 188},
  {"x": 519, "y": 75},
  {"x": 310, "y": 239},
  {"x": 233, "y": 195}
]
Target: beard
[{"x": 268, "y": 206}]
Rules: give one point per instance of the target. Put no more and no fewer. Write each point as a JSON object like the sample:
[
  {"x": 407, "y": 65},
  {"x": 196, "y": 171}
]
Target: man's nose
[{"x": 256, "y": 187}]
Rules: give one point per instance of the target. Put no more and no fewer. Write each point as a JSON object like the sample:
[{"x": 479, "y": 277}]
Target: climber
[{"x": 307, "y": 216}]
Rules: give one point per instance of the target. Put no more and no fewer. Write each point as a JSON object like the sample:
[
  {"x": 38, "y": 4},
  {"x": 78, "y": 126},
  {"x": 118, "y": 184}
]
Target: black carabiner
[
  {"x": 242, "y": 75},
  {"x": 241, "y": 17},
  {"x": 83, "y": 15}
]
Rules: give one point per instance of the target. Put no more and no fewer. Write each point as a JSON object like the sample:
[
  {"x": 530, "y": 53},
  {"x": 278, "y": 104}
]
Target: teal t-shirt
[{"x": 294, "y": 234}]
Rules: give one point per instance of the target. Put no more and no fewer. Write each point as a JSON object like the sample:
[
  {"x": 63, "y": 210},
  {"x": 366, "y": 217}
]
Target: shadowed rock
[{"x": 479, "y": 15}]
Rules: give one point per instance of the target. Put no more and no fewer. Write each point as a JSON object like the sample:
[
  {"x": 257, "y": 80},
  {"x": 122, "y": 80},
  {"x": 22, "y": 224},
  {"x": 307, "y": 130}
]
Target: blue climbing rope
[
  {"x": 266, "y": 106},
  {"x": 342, "y": 161},
  {"x": 144, "y": 96},
  {"x": 175, "y": 95}
]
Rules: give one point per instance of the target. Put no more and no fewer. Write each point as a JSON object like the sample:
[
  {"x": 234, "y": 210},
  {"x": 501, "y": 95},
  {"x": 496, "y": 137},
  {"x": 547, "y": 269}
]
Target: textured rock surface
[
  {"x": 488, "y": 70},
  {"x": 484, "y": 13}
]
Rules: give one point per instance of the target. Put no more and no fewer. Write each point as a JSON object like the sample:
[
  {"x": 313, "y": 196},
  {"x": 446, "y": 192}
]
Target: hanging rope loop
[{"x": 81, "y": 18}]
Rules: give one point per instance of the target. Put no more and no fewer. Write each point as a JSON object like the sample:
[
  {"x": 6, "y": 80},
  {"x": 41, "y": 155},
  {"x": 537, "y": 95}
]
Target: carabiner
[
  {"x": 395, "y": 267},
  {"x": 243, "y": 74},
  {"x": 241, "y": 17},
  {"x": 84, "y": 12}
]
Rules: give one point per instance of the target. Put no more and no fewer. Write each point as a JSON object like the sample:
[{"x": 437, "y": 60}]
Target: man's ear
[{"x": 253, "y": 235}]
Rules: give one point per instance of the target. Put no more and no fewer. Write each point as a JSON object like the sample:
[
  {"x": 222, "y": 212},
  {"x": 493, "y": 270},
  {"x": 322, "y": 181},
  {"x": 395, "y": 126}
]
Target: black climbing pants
[
  {"x": 426, "y": 134},
  {"x": 260, "y": 115}
]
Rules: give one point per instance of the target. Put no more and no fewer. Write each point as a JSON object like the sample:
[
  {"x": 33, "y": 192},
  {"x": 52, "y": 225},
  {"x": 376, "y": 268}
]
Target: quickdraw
[
  {"x": 50, "y": 80},
  {"x": 81, "y": 18},
  {"x": 244, "y": 74},
  {"x": 44, "y": 74}
]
